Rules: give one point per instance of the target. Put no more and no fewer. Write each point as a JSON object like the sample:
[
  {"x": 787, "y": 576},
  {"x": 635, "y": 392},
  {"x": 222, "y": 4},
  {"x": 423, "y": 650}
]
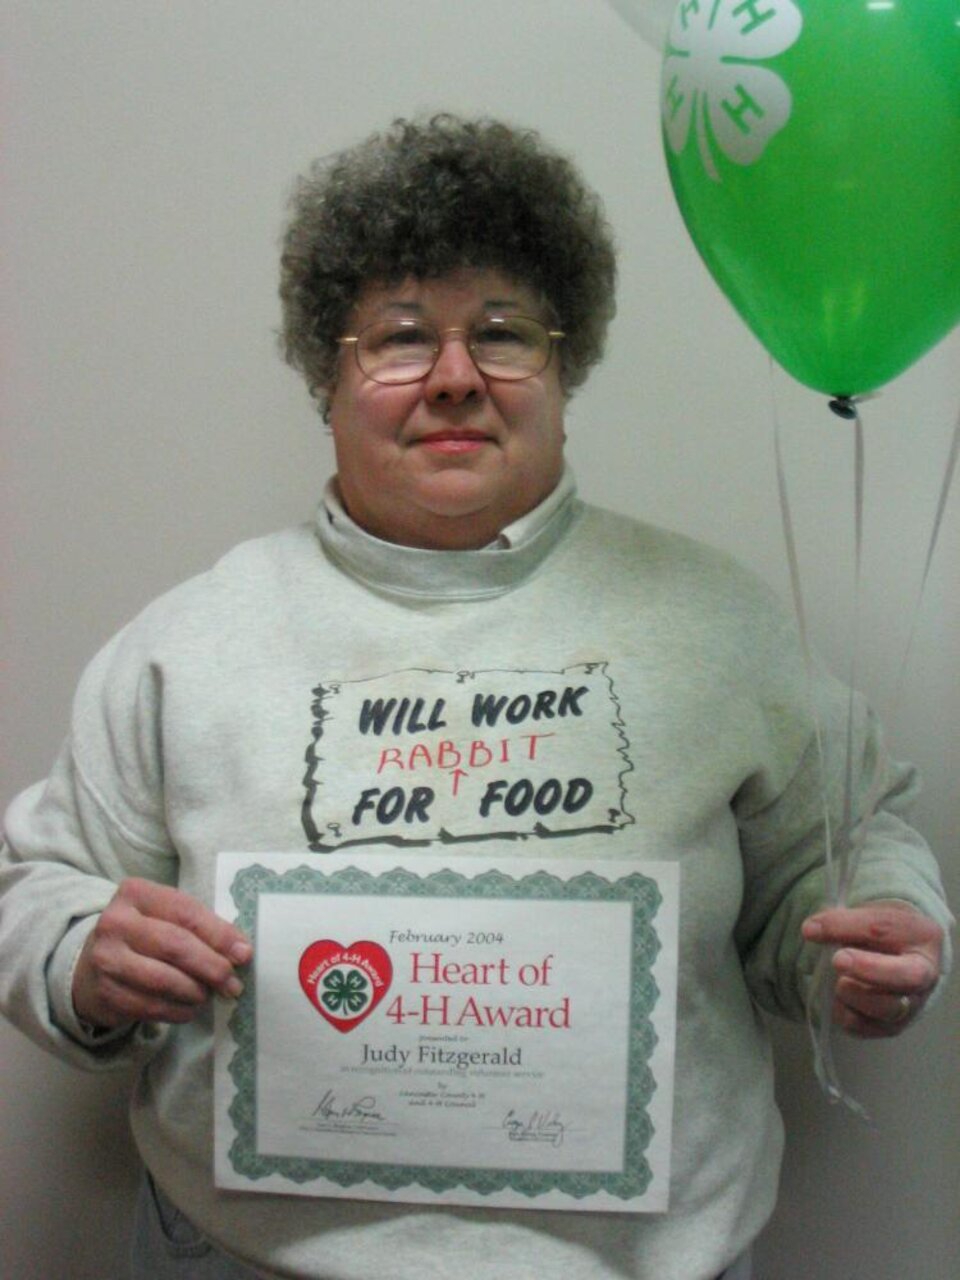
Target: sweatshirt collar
[{"x": 519, "y": 549}]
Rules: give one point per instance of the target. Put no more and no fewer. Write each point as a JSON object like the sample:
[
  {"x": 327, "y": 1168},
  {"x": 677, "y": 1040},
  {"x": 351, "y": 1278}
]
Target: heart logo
[{"x": 345, "y": 984}]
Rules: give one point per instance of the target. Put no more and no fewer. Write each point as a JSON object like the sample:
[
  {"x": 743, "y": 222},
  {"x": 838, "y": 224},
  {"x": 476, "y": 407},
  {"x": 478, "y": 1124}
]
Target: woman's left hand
[{"x": 887, "y": 964}]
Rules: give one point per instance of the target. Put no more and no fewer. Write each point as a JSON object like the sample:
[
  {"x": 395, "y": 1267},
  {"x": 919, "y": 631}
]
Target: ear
[{"x": 323, "y": 395}]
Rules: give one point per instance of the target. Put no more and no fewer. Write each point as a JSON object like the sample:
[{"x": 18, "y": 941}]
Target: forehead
[{"x": 460, "y": 295}]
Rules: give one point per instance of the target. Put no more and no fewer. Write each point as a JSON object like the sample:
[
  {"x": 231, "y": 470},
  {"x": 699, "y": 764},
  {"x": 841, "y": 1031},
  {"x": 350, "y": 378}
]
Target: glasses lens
[
  {"x": 397, "y": 350},
  {"x": 510, "y": 346}
]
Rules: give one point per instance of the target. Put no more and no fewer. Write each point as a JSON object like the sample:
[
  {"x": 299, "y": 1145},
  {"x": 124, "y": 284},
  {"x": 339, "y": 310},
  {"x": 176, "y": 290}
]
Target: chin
[
  {"x": 453, "y": 525},
  {"x": 451, "y": 495}
]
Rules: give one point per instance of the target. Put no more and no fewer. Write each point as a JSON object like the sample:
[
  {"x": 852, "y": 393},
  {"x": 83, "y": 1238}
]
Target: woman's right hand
[{"x": 155, "y": 955}]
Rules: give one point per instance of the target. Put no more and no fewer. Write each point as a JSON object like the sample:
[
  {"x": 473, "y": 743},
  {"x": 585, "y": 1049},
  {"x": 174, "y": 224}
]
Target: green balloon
[{"x": 814, "y": 151}]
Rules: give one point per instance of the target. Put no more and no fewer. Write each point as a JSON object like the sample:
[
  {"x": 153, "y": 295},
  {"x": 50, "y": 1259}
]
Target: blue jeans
[
  {"x": 739, "y": 1270},
  {"x": 167, "y": 1246}
]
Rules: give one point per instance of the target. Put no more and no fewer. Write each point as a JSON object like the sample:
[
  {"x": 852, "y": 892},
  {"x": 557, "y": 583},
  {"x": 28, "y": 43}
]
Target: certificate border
[{"x": 629, "y": 1182}]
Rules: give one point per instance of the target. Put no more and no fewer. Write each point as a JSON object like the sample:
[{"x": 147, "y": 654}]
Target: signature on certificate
[
  {"x": 360, "y": 1115},
  {"x": 538, "y": 1126}
]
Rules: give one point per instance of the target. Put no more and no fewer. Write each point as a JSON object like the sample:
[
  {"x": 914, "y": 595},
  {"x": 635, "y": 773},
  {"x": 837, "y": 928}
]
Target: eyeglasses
[{"x": 509, "y": 348}]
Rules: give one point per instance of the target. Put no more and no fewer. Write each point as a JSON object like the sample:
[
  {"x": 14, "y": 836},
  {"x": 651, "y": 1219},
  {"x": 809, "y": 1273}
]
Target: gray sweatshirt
[{"x": 209, "y": 723}]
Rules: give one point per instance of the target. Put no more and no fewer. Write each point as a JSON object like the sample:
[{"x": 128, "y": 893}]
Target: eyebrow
[{"x": 489, "y": 304}]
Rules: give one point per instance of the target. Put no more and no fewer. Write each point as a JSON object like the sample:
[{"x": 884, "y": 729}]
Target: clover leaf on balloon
[
  {"x": 346, "y": 992},
  {"x": 711, "y": 80}
]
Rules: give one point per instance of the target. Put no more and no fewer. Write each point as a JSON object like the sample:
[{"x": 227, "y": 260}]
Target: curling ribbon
[{"x": 844, "y": 848}]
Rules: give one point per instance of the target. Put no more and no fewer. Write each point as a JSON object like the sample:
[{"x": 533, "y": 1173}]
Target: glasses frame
[{"x": 353, "y": 340}]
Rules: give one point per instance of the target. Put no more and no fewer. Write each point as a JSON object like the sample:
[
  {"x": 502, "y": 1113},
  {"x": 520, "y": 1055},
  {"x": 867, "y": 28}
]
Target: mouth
[{"x": 453, "y": 440}]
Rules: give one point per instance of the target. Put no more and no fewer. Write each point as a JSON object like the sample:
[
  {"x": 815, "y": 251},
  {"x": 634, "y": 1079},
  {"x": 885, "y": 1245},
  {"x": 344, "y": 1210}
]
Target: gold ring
[{"x": 904, "y": 1009}]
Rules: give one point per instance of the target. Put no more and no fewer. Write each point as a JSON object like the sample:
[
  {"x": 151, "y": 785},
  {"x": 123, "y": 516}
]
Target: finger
[
  {"x": 856, "y": 1024},
  {"x": 117, "y": 1004},
  {"x": 156, "y": 949},
  {"x": 886, "y": 1007},
  {"x": 873, "y": 1015},
  {"x": 874, "y": 927},
  {"x": 162, "y": 960},
  {"x": 105, "y": 991},
  {"x": 910, "y": 973},
  {"x": 155, "y": 952},
  {"x": 163, "y": 902},
  {"x": 115, "y": 983}
]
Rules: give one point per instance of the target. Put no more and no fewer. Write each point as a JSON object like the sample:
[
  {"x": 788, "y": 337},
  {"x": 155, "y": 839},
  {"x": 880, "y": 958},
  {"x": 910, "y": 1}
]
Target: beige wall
[{"x": 148, "y": 425}]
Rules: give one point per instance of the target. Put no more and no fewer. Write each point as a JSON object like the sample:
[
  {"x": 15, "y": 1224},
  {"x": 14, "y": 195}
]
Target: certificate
[{"x": 472, "y": 1030}]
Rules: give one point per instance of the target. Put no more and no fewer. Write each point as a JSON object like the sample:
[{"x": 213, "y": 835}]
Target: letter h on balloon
[
  {"x": 674, "y": 99},
  {"x": 756, "y": 18},
  {"x": 744, "y": 105},
  {"x": 688, "y": 7}
]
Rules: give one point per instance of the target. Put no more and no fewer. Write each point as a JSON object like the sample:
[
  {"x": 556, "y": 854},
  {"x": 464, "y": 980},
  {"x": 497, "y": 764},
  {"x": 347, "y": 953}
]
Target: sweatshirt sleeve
[
  {"x": 69, "y": 841},
  {"x": 781, "y": 815}
]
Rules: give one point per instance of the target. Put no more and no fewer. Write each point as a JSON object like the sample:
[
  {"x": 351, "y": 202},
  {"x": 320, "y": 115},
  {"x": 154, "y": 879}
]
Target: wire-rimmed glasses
[{"x": 396, "y": 351}]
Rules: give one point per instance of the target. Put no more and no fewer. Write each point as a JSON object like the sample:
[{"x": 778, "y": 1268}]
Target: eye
[
  {"x": 495, "y": 333},
  {"x": 411, "y": 336},
  {"x": 506, "y": 331},
  {"x": 396, "y": 337}
]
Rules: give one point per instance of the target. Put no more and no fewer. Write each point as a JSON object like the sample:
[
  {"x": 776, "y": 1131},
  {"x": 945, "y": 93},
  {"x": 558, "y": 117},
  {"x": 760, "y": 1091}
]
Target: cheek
[
  {"x": 371, "y": 419},
  {"x": 538, "y": 406},
  {"x": 549, "y": 433}
]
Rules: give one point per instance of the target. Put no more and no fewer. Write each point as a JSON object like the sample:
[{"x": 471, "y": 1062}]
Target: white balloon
[{"x": 649, "y": 18}]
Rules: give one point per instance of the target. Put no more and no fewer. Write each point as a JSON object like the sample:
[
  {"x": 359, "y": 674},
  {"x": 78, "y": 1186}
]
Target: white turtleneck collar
[{"x": 412, "y": 571}]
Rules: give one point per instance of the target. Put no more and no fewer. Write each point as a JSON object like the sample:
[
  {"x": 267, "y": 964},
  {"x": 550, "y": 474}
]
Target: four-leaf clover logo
[
  {"x": 345, "y": 984},
  {"x": 347, "y": 991},
  {"x": 711, "y": 80}
]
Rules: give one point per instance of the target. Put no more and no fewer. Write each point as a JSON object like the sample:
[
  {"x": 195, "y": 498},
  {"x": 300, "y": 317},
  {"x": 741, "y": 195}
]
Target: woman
[{"x": 446, "y": 287}]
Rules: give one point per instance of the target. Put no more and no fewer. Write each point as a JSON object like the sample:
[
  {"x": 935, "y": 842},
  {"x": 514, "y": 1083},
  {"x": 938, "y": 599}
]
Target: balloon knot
[{"x": 844, "y": 407}]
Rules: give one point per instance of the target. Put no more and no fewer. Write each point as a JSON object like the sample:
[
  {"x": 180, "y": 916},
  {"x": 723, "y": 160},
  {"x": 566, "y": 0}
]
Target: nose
[{"x": 454, "y": 378}]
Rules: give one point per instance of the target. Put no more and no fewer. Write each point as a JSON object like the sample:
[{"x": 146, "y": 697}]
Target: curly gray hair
[{"x": 424, "y": 199}]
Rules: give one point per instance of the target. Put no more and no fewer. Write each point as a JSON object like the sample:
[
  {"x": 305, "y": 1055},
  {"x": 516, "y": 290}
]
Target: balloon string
[
  {"x": 820, "y": 998},
  {"x": 858, "y": 835},
  {"x": 945, "y": 486},
  {"x": 793, "y": 562},
  {"x": 841, "y": 868},
  {"x": 854, "y": 834},
  {"x": 853, "y": 680}
]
